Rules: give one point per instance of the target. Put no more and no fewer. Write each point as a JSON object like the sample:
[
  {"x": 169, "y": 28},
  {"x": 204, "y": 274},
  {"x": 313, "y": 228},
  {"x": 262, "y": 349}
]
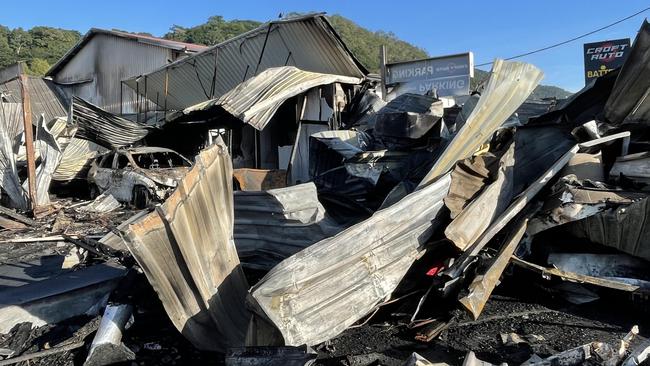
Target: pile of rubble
[{"x": 377, "y": 236}]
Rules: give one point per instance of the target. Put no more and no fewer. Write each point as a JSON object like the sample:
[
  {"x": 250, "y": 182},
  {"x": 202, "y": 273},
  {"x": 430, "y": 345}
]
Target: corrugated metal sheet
[
  {"x": 8, "y": 172},
  {"x": 516, "y": 207},
  {"x": 628, "y": 101},
  {"x": 50, "y": 156},
  {"x": 104, "y": 203},
  {"x": 486, "y": 281},
  {"x": 626, "y": 228},
  {"x": 477, "y": 216},
  {"x": 76, "y": 160},
  {"x": 256, "y": 100},
  {"x": 319, "y": 292},
  {"x": 275, "y": 224},
  {"x": 105, "y": 128},
  {"x": 12, "y": 116},
  {"x": 44, "y": 98},
  {"x": 187, "y": 252},
  {"x": 309, "y": 43},
  {"x": 509, "y": 85}
]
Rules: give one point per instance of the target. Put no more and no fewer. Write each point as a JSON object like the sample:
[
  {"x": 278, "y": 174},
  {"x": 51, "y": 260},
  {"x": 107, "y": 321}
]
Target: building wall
[{"x": 94, "y": 73}]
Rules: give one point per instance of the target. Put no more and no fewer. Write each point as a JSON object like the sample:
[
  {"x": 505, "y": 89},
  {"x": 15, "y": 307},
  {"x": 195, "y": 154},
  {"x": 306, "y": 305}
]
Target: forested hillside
[
  {"x": 40, "y": 47},
  {"x": 363, "y": 43}
]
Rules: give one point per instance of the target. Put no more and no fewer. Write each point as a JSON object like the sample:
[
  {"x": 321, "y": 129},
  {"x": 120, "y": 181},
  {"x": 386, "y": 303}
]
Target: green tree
[
  {"x": 214, "y": 31},
  {"x": 6, "y": 53},
  {"x": 20, "y": 43},
  {"x": 39, "y": 46},
  {"x": 38, "y": 67},
  {"x": 365, "y": 44},
  {"x": 51, "y": 43}
]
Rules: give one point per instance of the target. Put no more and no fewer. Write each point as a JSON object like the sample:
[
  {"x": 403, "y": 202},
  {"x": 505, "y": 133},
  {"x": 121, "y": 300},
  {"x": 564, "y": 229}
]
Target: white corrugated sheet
[
  {"x": 76, "y": 160},
  {"x": 256, "y": 100},
  {"x": 8, "y": 172},
  {"x": 50, "y": 156},
  {"x": 509, "y": 85}
]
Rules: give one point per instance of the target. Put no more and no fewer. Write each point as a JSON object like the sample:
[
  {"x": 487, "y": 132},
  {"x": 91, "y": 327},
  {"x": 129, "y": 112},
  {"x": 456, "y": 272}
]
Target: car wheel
[
  {"x": 93, "y": 191},
  {"x": 141, "y": 197}
]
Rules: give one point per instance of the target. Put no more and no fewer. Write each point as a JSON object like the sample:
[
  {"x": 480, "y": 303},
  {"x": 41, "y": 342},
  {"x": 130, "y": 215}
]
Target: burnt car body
[{"x": 140, "y": 176}]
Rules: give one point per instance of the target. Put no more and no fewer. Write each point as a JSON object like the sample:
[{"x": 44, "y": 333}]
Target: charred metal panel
[
  {"x": 187, "y": 252},
  {"x": 275, "y": 224},
  {"x": 317, "y": 293},
  {"x": 633, "y": 166},
  {"x": 104, "y": 128},
  {"x": 483, "y": 284},
  {"x": 628, "y": 101},
  {"x": 260, "y": 179},
  {"x": 474, "y": 219},
  {"x": 626, "y": 228}
]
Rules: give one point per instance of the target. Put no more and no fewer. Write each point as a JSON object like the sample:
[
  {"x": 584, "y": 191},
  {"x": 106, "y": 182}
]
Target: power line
[{"x": 572, "y": 39}]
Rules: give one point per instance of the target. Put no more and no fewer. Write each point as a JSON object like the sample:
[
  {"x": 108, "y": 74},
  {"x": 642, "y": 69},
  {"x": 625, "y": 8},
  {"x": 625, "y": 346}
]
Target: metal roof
[
  {"x": 256, "y": 100},
  {"x": 11, "y": 72},
  {"x": 104, "y": 128},
  {"x": 308, "y": 42},
  {"x": 165, "y": 43},
  {"x": 44, "y": 96}
]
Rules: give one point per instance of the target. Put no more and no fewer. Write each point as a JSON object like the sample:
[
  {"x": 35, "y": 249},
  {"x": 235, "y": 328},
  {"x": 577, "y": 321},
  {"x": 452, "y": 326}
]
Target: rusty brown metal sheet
[
  {"x": 483, "y": 284},
  {"x": 477, "y": 216},
  {"x": 260, "y": 179}
]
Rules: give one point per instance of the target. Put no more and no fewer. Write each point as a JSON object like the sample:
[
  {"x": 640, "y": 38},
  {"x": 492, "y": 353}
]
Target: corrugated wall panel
[{"x": 107, "y": 60}]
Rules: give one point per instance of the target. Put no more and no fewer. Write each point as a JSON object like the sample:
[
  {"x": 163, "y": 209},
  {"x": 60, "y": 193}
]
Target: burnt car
[{"x": 140, "y": 176}]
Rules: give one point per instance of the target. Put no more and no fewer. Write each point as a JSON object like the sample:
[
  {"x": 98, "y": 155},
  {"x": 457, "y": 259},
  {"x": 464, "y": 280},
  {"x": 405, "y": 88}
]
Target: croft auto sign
[{"x": 603, "y": 57}]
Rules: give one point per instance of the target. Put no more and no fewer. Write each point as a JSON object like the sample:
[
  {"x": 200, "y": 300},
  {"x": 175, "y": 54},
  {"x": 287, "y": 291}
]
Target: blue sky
[{"x": 489, "y": 28}]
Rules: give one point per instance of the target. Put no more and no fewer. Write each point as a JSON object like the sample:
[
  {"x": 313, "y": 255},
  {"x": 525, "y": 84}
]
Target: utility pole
[{"x": 382, "y": 64}]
